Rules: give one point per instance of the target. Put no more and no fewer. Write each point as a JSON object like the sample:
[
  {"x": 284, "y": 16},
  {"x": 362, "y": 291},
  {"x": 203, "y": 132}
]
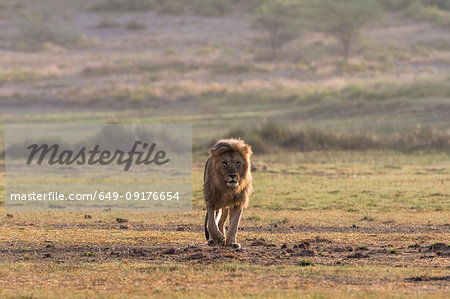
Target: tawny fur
[{"x": 216, "y": 192}]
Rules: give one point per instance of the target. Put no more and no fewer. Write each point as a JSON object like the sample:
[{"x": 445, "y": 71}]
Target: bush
[
  {"x": 305, "y": 263},
  {"x": 419, "y": 11},
  {"x": 403, "y": 4},
  {"x": 34, "y": 32},
  {"x": 211, "y": 8},
  {"x": 123, "y": 5},
  {"x": 135, "y": 25},
  {"x": 107, "y": 23},
  {"x": 395, "y": 4},
  {"x": 272, "y": 136},
  {"x": 171, "y": 7},
  {"x": 441, "y": 4}
]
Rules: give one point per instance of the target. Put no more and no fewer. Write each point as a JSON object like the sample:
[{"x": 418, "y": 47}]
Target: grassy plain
[
  {"x": 352, "y": 224},
  {"x": 323, "y": 221}
]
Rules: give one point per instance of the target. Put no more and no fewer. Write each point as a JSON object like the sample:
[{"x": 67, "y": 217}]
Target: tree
[
  {"x": 277, "y": 18},
  {"x": 345, "y": 18}
]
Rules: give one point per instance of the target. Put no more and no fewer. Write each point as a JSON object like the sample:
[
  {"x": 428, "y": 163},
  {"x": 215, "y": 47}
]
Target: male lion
[{"x": 227, "y": 188}]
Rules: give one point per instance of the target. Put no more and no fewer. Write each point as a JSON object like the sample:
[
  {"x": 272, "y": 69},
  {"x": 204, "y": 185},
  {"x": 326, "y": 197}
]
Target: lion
[{"x": 227, "y": 188}]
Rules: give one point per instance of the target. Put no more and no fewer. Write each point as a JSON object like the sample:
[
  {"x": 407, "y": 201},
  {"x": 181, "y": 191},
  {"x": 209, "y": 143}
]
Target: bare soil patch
[{"x": 318, "y": 250}]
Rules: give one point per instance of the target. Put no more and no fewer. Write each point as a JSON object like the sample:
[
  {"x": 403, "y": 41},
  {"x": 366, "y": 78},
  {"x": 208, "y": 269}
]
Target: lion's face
[
  {"x": 232, "y": 168},
  {"x": 227, "y": 176}
]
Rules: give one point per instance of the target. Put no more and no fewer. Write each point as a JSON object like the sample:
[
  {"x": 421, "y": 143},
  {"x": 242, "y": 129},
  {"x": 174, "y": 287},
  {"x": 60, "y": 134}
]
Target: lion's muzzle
[{"x": 233, "y": 180}]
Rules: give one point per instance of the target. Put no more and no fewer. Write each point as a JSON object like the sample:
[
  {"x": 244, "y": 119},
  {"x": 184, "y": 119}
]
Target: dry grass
[{"x": 174, "y": 280}]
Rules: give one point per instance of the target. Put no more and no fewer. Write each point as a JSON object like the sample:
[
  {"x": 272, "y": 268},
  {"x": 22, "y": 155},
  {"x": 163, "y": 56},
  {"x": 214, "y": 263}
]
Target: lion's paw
[{"x": 235, "y": 245}]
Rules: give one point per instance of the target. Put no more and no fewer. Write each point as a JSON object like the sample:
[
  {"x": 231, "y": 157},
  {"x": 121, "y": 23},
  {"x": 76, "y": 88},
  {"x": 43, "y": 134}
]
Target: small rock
[
  {"x": 284, "y": 246},
  {"x": 304, "y": 245},
  {"x": 47, "y": 256},
  {"x": 9, "y": 215},
  {"x": 169, "y": 251},
  {"x": 306, "y": 252},
  {"x": 183, "y": 228},
  {"x": 138, "y": 252},
  {"x": 320, "y": 240},
  {"x": 123, "y": 226},
  {"x": 357, "y": 255},
  {"x": 121, "y": 220},
  {"x": 87, "y": 216},
  {"x": 339, "y": 249}
]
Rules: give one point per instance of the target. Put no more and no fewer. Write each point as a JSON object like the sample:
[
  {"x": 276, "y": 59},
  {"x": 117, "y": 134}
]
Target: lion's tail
[
  {"x": 206, "y": 227},
  {"x": 204, "y": 180}
]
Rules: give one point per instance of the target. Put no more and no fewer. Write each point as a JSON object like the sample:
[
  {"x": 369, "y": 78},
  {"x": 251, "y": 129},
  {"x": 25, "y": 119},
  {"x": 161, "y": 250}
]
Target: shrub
[
  {"x": 419, "y": 11},
  {"x": 171, "y": 7},
  {"x": 108, "y": 23},
  {"x": 441, "y": 4},
  {"x": 135, "y": 25},
  {"x": 305, "y": 263},
  {"x": 395, "y": 4},
  {"x": 403, "y": 4},
  {"x": 123, "y": 5},
  {"x": 272, "y": 136},
  {"x": 35, "y": 31},
  {"x": 211, "y": 8}
]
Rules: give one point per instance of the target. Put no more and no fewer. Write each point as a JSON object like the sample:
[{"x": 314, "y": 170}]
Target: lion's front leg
[
  {"x": 215, "y": 236},
  {"x": 223, "y": 218},
  {"x": 235, "y": 217}
]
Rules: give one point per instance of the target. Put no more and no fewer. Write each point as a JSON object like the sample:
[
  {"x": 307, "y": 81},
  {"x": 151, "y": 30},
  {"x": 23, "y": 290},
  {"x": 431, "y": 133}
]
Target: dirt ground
[{"x": 378, "y": 250}]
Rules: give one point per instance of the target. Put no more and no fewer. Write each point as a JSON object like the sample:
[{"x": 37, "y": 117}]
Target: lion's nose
[{"x": 232, "y": 176}]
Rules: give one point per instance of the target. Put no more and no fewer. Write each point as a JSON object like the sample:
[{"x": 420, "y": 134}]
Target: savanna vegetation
[{"x": 345, "y": 103}]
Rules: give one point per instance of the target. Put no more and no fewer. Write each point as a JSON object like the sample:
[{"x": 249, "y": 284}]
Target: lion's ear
[{"x": 219, "y": 148}]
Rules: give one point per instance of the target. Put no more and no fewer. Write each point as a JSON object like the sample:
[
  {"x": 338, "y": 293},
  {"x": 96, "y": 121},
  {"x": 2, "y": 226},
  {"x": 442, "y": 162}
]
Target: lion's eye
[
  {"x": 238, "y": 164},
  {"x": 225, "y": 164}
]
